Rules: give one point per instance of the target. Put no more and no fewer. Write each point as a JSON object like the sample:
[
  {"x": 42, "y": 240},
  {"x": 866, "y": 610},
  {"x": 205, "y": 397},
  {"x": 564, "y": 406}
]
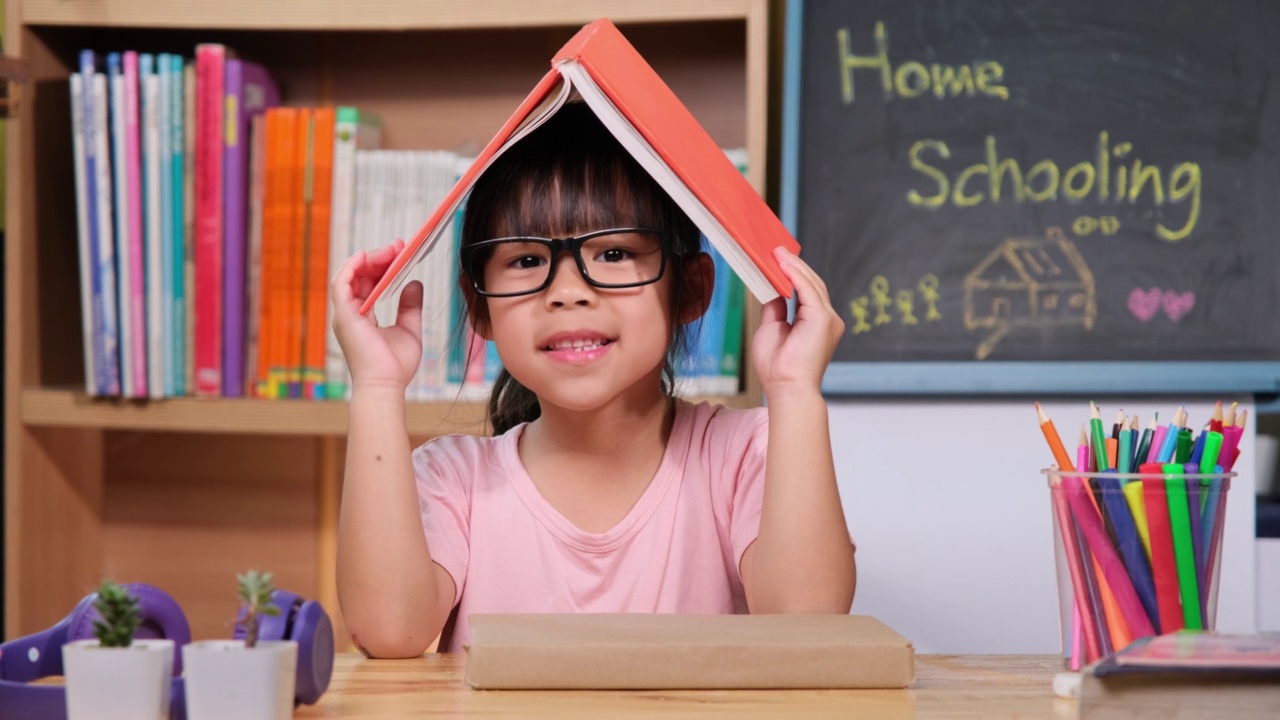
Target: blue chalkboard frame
[{"x": 988, "y": 378}]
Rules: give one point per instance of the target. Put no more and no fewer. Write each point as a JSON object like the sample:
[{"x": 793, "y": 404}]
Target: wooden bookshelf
[{"x": 183, "y": 493}]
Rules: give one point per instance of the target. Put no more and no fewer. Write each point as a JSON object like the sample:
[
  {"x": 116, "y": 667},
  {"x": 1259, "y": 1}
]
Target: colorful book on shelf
[
  {"x": 660, "y": 133},
  {"x": 120, "y": 209},
  {"x": 177, "y": 376},
  {"x": 133, "y": 283},
  {"x": 257, "y": 190},
  {"x": 91, "y": 326},
  {"x": 210, "y": 116},
  {"x": 152, "y": 221},
  {"x": 164, "y": 176},
  {"x": 249, "y": 91},
  {"x": 318, "y": 201},
  {"x": 106, "y": 269}
]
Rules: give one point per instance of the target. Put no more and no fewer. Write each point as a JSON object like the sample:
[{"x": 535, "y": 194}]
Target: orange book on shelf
[
  {"x": 648, "y": 119},
  {"x": 282, "y": 126},
  {"x": 316, "y": 253},
  {"x": 299, "y": 214}
]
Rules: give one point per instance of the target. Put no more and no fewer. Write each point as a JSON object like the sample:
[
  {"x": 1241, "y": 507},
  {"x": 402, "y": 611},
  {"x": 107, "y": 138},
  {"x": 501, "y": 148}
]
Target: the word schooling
[{"x": 1108, "y": 173}]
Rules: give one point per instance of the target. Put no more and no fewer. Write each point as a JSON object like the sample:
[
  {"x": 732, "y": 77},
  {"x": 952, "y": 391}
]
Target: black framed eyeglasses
[{"x": 613, "y": 258}]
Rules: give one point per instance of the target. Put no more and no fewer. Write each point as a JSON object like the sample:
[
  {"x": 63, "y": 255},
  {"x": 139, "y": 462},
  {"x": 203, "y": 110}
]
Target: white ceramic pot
[
  {"x": 129, "y": 683},
  {"x": 226, "y": 681}
]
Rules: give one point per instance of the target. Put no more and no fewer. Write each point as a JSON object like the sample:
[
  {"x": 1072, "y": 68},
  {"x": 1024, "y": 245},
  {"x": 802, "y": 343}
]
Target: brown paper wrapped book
[{"x": 652, "y": 652}]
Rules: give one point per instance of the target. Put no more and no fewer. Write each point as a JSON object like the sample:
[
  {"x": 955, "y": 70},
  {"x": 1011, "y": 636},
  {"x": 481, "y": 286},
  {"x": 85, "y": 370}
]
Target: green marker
[
  {"x": 1183, "y": 551},
  {"x": 1182, "y": 448}
]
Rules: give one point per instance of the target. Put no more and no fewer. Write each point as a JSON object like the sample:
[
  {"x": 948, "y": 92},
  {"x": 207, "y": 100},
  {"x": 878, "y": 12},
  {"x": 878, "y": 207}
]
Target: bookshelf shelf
[
  {"x": 72, "y": 408},
  {"x": 66, "y": 408},
  {"x": 183, "y": 493},
  {"x": 372, "y": 14}
]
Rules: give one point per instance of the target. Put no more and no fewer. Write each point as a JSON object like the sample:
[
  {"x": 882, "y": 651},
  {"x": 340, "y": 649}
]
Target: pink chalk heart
[
  {"x": 1145, "y": 303},
  {"x": 1177, "y": 304}
]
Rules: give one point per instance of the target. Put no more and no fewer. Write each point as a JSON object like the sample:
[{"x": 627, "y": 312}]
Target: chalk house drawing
[{"x": 1029, "y": 283}]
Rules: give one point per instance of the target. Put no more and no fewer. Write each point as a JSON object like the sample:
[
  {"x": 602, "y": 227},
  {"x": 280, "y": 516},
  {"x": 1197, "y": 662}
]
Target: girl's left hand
[{"x": 795, "y": 356}]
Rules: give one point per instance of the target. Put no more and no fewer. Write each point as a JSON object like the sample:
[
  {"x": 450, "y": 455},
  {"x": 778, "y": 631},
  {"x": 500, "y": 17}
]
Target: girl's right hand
[{"x": 376, "y": 356}]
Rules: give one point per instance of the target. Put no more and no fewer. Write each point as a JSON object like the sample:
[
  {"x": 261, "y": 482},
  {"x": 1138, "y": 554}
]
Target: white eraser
[{"x": 1066, "y": 684}]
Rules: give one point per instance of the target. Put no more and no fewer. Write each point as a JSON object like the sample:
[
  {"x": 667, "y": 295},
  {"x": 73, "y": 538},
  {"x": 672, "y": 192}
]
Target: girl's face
[{"x": 579, "y": 347}]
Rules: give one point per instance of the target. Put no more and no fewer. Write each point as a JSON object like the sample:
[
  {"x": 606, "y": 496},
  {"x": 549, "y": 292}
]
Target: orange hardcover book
[
  {"x": 316, "y": 253},
  {"x": 600, "y": 66}
]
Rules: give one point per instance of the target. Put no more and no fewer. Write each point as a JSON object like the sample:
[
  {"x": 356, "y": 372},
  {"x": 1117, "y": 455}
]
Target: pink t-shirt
[{"x": 676, "y": 551}]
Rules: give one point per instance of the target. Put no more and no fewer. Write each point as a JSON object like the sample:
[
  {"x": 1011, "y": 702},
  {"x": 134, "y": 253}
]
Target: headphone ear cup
[{"x": 313, "y": 631}]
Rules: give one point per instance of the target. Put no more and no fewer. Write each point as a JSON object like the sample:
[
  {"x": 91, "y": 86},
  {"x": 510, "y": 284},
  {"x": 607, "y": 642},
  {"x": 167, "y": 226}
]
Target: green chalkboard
[{"x": 984, "y": 181}]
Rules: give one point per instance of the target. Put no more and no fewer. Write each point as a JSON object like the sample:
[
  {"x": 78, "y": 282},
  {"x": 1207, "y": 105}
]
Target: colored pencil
[
  {"x": 1098, "y": 436},
  {"x": 1229, "y": 418},
  {"x": 1215, "y": 420},
  {"x": 1169, "y": 444},
  {"x": 1060, "y": 455},
  {"x": 1144, "y": 445}
]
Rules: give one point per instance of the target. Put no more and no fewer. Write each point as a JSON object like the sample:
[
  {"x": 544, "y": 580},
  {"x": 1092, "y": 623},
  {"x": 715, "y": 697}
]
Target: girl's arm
[
  {"x": 802, "y": 559},
  {"x": 394, "y": 598}
]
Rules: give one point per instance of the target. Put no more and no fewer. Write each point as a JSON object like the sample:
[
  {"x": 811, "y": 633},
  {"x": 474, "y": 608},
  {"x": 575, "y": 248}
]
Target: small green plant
[
  {"x": 120, "y": 617},
  {"x": 255, "y": 600}
]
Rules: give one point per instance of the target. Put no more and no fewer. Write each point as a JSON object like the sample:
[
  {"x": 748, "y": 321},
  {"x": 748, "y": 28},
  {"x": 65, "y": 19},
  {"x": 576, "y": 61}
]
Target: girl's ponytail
[{"x": 511, "y": 403}]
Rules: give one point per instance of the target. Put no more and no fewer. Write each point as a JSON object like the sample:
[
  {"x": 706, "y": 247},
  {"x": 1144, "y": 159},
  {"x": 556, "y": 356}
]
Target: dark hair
[{"x": 571, "y": 175}]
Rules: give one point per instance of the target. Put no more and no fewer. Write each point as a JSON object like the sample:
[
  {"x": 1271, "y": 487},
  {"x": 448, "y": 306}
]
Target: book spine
[
  {"x": 210, "y": 63},
  {"x": 300, "y": 210},
  {"x": 84, "y": 241},
  {"x": 120, "y": 181},
  {"x": 87, "y": 63},
  {"x": 318, "y": 241},
  {"x": 134, "y": 292},
  {"x": 106, "y": 269},
  {"x": 257, "y": 184},
  {"x": 163, "y": 166},
  {"x": 189, "y": 225},
  {"x": 153, "y": 228},
  {"x": 178, "y": 219},
  {"x": 235, "y": 150}
]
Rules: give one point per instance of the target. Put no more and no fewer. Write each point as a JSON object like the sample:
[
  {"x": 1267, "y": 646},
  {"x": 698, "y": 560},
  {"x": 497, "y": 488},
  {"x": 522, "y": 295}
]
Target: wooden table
[{"x": 946, "y": 686}]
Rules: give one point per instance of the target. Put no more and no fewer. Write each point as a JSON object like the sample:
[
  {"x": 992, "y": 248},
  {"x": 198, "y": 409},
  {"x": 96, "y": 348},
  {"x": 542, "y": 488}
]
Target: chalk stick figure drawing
[{"x": 1027, "y": 282}]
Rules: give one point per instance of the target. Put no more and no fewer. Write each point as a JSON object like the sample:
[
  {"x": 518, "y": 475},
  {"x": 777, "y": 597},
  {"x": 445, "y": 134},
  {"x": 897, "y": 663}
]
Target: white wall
[{"x": 952, "y": 519}]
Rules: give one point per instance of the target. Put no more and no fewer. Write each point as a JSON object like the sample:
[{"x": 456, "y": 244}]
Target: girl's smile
[{"x": 576, "y": 347}]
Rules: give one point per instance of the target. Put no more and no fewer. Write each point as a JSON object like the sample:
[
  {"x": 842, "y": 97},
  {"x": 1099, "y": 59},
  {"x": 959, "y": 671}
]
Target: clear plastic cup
[{"x": 1136, "y": 554}]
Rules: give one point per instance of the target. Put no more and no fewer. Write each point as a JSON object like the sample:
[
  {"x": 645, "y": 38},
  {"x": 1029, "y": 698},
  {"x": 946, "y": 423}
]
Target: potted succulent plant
[
  {"x": 248, "y": 679},
  {"x": 116, "y": 675}
]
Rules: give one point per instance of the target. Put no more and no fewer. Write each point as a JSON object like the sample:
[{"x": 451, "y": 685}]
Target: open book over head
[{"x": 647, "y": 119}]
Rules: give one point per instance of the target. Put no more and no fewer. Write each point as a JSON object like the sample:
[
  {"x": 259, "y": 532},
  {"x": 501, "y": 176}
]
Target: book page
[{"x": 653, "y": 163}]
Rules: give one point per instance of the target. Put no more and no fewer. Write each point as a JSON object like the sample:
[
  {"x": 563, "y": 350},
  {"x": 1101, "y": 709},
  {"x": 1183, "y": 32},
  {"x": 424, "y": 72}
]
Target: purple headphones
[{"x": 40, "y": 655}]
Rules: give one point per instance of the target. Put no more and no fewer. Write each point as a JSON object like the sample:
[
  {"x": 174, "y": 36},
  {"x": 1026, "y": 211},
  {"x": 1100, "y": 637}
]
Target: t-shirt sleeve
[
  {"x": 444, "y": 503},
  {"x": 751, "y": 444}
]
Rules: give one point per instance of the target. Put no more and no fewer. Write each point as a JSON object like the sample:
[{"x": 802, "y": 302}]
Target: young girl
[{"x": 598, "y": 492}]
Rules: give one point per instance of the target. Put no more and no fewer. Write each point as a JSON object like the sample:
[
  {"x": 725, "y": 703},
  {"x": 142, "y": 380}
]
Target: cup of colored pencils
[{"x": 1137, "y": 526}]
